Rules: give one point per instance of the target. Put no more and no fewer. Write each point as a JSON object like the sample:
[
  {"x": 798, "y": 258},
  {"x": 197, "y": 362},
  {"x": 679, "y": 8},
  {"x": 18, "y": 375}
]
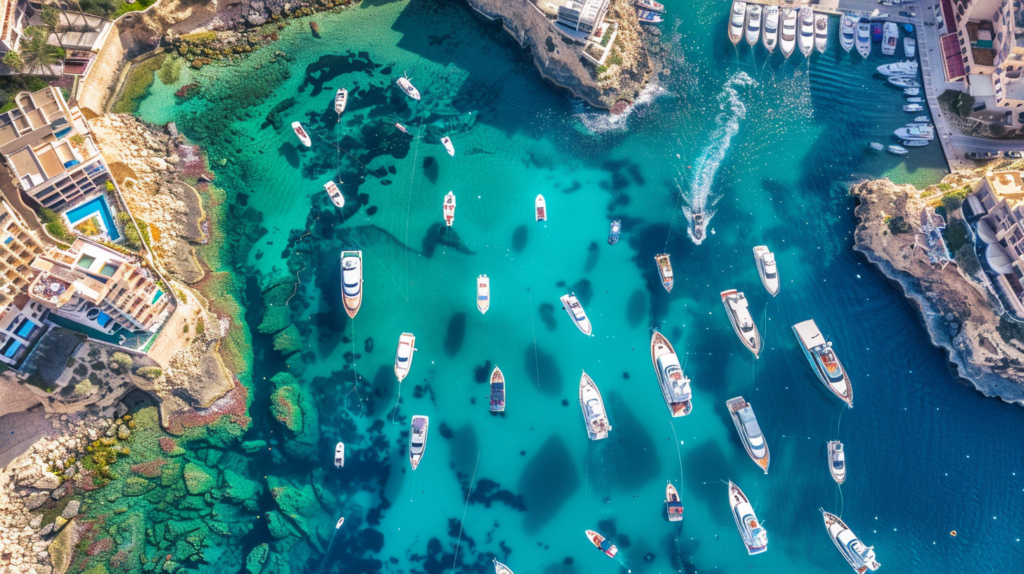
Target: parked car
[
  {"x": 1013, "y": 154},
  {"x": 984, "y": 154}
]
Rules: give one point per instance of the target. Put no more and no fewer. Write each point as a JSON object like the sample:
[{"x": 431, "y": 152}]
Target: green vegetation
[
  {"x": 110, "y": 185},
  {"x": 85, "y": 388},
  {"x": 199, "y": 37},
  {"x": 123, "y": 361},
  {"x": 149, "y": 373},
  {"x": 897, "y": 225},
  {"x": 954, "y": 199},
  {"x": 133, "y": 7},
  {"x": 962, "y": 104},
  {"x": 36, "y": 53},
  {"x": 957, "y": 235},
  {"x": 36, "y": 381},
  {"x": 615, "y": 58},
  {"x": 55, "y": 225},
  {"x": 132, "y": 238},
  {"x": 200, "y": 327},
  {"x": 90, "y": 227},
  {"x": 170, "y": 71},
  {"x": 967, "y": 259},
  {"x": 1010, "y": 329},
  {"x": 140, "y": 78},
  {"x": 607, "y": 36}
]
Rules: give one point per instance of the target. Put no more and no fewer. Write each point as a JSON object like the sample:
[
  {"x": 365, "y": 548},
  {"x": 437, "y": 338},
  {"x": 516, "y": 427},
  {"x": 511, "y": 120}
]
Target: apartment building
[
  {"x": 13, "y": 20},
  {"x": 582, "y": 15},
  {"x": 998, "y": 199},
  {"x": 18, "y": 247}
]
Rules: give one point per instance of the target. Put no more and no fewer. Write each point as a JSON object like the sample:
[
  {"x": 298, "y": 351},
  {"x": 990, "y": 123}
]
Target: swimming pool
[{"x": 95, "y": 206}]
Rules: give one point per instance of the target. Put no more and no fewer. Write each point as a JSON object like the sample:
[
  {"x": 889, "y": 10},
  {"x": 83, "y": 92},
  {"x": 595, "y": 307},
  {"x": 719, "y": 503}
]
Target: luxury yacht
[
  {"x": 860, "y": 557},
  {"x": 673, "y": 508},
  {"x": 541, "y": 208},
  {"x": 765, "y": 261},
  {"x": 788, "y": 36},
  {"x": 890, "y": 38},
  {"x": 913, "y": 108},
  {"x": 665, "y": 271},
  {"x": 820, "y": 32},
  {"x": 754, "y": 536},
  {"x": 848, "y": 32},
  {"x": 675, "y": 386},
  {"x": 408, "y": 88},
  {"x": 742, "y": 323},
  {"x": 753, "y": 27},
  {"x": 403, "y": 358},
  {"x": 594, "y": 415},
  {"x": 602, "y": 544},
  {"x": 915, "y": 133},
  {"x": 770, "y": 34},
  {"x": 483, "y": 293},
  {"x": 352, "y": 281},
  {"x": 497, "y": 391},
  {"x": 698, "y": 226},
  {"x": 898, "y": 69},
  {"x": 837, "y": 461},
  {"x": 448, "y": 147},
  {"x": 500, "y": 568},
  {"x": 750, "y": 433},
  {"x": 572, "y": 306},
  {"x": 301, "y": 132},
  {"x": 736, "y": 20},
  {"x": 340, "y": 100},
  {"x": 339, "y": 455},
  {"x": 335, "y": 194},
  {"x": 418, "y": 439},
  {"x": 449, "y": 208},
  {"x": 805, "y": 40},
  {"x": 864, "y": 38},
  {"x": 824, "y": 361}
]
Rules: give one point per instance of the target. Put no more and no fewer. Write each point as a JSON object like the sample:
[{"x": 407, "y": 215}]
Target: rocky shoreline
[{"x": 958, "y": 310}]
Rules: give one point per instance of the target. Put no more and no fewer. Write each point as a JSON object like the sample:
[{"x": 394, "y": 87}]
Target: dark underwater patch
[
  {"x": 542, "y": 365},
  {"x": 455, "y": 334},
  {"x": 547, "y": 316},
  {"x": 519, "y": 237},
  {"x": 545, "y": 497}
]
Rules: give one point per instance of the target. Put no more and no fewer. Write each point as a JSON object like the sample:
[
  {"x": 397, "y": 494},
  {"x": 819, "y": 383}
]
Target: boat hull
[
  {"x": 599, "y": 541},
  {"x": 754, "y": 343},
  {"x": 449, "y": 209},
  {"x": 340, "y": 101},
  {"x": 843, "y": 391},
  {"x": 339, "y": 455},
  {"x": 660, "y": 346},
  {"x": 483, "y": 294},
  {"x": 771, "y": 284},
  {"x": 740, "y": 505},
  {"x": 540, "y": 208},
  {"x": 673, "y": 508},
  {"x": 836, "y": 528},
  {"x": 665, "y": 271},
  {"x": 597, "y": 429},
  {"x": 734, "y": 405},
  {"x": 837, "y": 475},
  {"x": 415, "y": 457},
  {"x": 352, "y": 303},
  {"x": 582, "y": 323},
  {"x": 497, "y": 391},
  {"x": 402, "y": 368}
]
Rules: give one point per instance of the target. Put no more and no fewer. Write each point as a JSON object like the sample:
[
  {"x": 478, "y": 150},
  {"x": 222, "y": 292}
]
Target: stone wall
[{"x": 96, "y": 86}]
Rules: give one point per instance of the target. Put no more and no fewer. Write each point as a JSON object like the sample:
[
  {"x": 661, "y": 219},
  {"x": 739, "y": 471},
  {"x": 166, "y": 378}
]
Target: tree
[
  {"x": 37, "y": 53},
  {"x": 51, "y": 22},
  {"x": 14, "y": 61}
]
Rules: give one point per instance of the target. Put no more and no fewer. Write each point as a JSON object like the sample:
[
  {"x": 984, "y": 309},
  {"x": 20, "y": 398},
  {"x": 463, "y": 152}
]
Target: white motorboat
[
  {"x": 737, "y": 18},
  {"x": 917, "y": 100},
  {"x": 750, "y": 432},
  {"x": 449, "y": 208},
  {"x": 540, "y": 208},
  {"x": 650, "y": 5},
  {"x": 483, "y": 293},
  {"x": 890, "y": 38},
  {"x": 339, "y": 523},
  {"x": 913, "y": 108},
  {"x": 848, "y": 32},
  {"x": 824, "y": 361},
  {"x": 602, "y": 543},
  {"x": 665, "y": 271},
  {"x": 301, "y": 132},
  {"x": 787, "y": 40},
  {"x": 409, "y": 89},
  {"x": 418, "y": 439},
  {"x": 448, "y": 147},
  {"x": 698, "y": 226},
  {"x": 673, "y": 506},
  {"x": 648, "y": 17},
  {"x": 572, "y": 306},
  {"x": 335, "y": 194},
  {"x": 675, "y": 385},
  {"x": 897, "y": 150},
  {"x": 352, "y": 281},
  {"x": 500, "y": 568},
  {"x": 594, "y": 415},
  {"x": 876, "y": 146},
  {"x": 753, "y": 27},
  {"x": 497, "y": 391},
  {"x": 765, "y": 261},
  {"x": 837, "y": 461},
  {"x": 904, "y": 82},
  {"x": 770, "y": 35},
  {"x": 864, "y": 38},
  {"x": 742, "y": 323},
  {"x": 909, "y": 47},
  {"x": 820, "y": 32},
  {"x": 898, "y": 69},
  {"x": 922, "y": 119},
  {"x": 340, "y": 100},
  {"x": 915, "y": 133},
  {"x": 914, "y": 143},
  {"x": 754, "y": 536},
  {"x": 805, "y": 39},
  {"x": 402, "y": 129},
  {"x": 339, "y": 455},
  {"x": 403, "y": 357},
  {"x": 861, "y": 558},
  {"x": 911, "y": 91}
]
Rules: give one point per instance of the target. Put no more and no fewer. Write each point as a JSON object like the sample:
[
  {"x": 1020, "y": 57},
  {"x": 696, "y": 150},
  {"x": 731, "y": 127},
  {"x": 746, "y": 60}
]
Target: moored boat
[
  {"x": 897, "y": 150},
  {"x": 914, "y": 143},
  {"x": 824, "y": 361},
  {"x": 890, "y": 38},
  {"x": 673, "y": 507},
  {"x": 837, "y": 461},
  {"x": 449, "y": 208},
  {"x": 864, "y": 38},
  {"x": 541, "y": 208},
  {"x": 338, "y": 524},
  {"x": 497, "y": 391},
  {"x": 572, "y": 306},
  {"x": 766, "y": 268},
  {"x": 848, "y": 31},
  {"x": 915, "y": 132},
  {"x": 352, "y": 281},
  {"x": 418, "y": 439},
  {"x": 675, "y": 385},
  {"x": 916, "y": 100},
  {"x": 595, "y": 417},
  {"x": 500, "y": 568},
  {"x": 923, "y": 119},
  {"x": 787, "y": 40},
  {"x": 750, "y": 432},
  {"x": 876, "y": 31},
  {"x": 403, "y": 357},
  {"x": 876, "y": 146},
  {"x": 770, "y": 35},
  {"x": 805, "y": 39},
  {"x": 409, "y": 89},
  {"x": 904, "y": 81},
  {"x": 602, "y": 544},
  {"x": 742, "y": 322},
  {"x": 448, "y": 147},
  {"x": 911, "y": 91},
  {"x": 753, "y": 26},
  {"x": 909, "y": 47},
  {"x": 335, "y": 194},
  {"x": 402, "y": 129},
  {"x": 861, "y": 558},
  {"x": 698, "y": 226},
  {"x": 913, "y": 108},
  {"x": 340, "y": 101},
  {"x": 754, "y": 536},
  {"x": 898, "y": 69},
  {"x": 648, "y": 17},
  {"x": 649, "y": 5},
  {"x": 483, "y": 293},
  {"x": 820, "y": 32},
  {"x": 665, "y": 271},
  {"x": 737, "y": 18},
  {"x": 339, "y": 455},
  {"x": 613, "y": 234},
  {"x": 301, "y": 132}
]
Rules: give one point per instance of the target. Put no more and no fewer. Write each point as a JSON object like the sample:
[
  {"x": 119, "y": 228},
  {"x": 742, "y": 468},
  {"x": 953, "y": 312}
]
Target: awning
[{"x": 953, "y": 62}]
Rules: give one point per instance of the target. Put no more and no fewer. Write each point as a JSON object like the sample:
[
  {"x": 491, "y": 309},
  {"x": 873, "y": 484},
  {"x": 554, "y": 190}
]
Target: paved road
[{"x": 970, "y": 143}]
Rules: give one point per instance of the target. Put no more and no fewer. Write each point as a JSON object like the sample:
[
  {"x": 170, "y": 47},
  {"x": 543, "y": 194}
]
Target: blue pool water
[
  {"x": 97, "y": 205},
  {"x": 159, "y": 294},
  {"x": 103, "y": 319},
  {"x": 25, "y": 329}
]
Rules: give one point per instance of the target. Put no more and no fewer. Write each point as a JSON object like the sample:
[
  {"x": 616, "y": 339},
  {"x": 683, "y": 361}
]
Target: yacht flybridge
[
  {"x": 352, "y": 281},
  {"x": 770, "y": 34},
  {"x": 595, "y": 417},
  {"x": 788, "y": 35},
  {"x": 750, "y": 432},
  {"x": 675, "y": 386},
  {"x": 742, "y": 322},
  {"x": 572, "y": 306},
  {"x": 848, "y": 32},
  {"x": 824, "y": 361},
  {"x": 737, "y": 19},
  {"x": 860, "y": 557},
  {"x": 766, "y": 268}
]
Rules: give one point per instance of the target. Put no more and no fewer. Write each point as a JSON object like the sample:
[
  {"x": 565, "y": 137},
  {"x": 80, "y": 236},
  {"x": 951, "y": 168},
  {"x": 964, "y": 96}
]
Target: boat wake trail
[
  {"x": 699, "y": 198},
  {"x": 327, "y": 553}
]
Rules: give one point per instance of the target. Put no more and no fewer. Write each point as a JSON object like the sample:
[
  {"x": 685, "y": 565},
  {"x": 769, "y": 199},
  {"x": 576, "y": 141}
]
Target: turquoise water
[
  {"x": 763, "y": 144},
  {"x": 93, "y": 207}
]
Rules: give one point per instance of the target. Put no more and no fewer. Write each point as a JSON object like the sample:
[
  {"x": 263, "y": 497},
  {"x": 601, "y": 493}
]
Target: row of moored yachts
[{"x": 919, "y": 132}]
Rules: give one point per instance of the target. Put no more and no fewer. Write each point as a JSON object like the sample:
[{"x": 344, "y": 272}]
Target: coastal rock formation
[{"x": 957, "y": 308}]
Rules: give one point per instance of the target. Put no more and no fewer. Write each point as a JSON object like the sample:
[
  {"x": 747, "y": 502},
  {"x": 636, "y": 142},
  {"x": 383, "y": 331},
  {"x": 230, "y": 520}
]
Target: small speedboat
[
  {"x": 649, "y": 5},
  {"x": 403, "y": 357},
  {"x": 860, "y": 557},
  {"x": 911, "y": 133},
  {"x": 335, "y": 194},
  {"x": 497, "y": 391},
  {"x": 890, "y": 38},
  {"x": 837, "y": 461},
  {"x": 483, "y": 293},
  {"x": 402, "y": 129},
  {"x": 673, "y": 507},
  {"x": 352, "y": 281},
  {"x": 572, "y": 306},
  {"x": 876, "y": 146},
  {"x": 914, "y": 143},
  {"x": 742, "y": 323},
  {"x": 824, "y": 361},
  {"x": 787, "y": 39},
  {"x": 904, "y": 81},
  {"x": 448, "y": 147},
  {"x": 648, "y": 17},
  {"x": 339, "y": 523},
  {"x": 665, "y": 271},
  {"x": 754, "y": 536},
  {"x": 916, "y": 100},
  {"x": 602, "y": 544},
  {"x": 750, "y": 432},
  {"x": 500, "y": 568},
  {"x": 340, "y": 100},
  {"x": 876, "y": 31},
  {"x": 675, "y": 385},
  {"x": 339, "y": 455},
  {"x": 698, "y": 226},
  {"x": 864, "y": 38},
  {"x": 911, "y": 91},
  {"x": 613, "y": 235},
  {"x": 595, "y": 417},
  {"x": 922, "y": 119},
  {"x": 805, "y": 40},
  {"x": 418, "y": 439},
  {"x": 898, "y": 69},
  {"x": 913, "y": 108},
  {"x": 409, "y": 89},
  {"x": 540, "y": 208},
  {"x": 909, "y": 46},
  {"x": 848, "y": 31},
  {"x": 753, "y": 27},
  {"x": 765, "y": 261},
  {"x": 301, "y": 132},
  {"x": 737, "y": 19},
  {"x": 449, "y": 208},
  {"x": 897, "y": 150},
  {"x": 820, "y": 32},
  {"x": 771, "y": 28}
]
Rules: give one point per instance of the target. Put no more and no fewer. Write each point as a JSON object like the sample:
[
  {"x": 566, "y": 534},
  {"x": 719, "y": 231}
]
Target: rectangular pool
[{"x": 91, "y": 208}]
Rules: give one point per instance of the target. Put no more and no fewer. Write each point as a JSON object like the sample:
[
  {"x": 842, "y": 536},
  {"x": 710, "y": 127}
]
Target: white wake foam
[{"x": 597, "y": 122}]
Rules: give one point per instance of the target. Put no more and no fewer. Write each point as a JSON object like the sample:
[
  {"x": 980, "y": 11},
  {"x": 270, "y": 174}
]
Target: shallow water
[{"x": 764, "y": 144}]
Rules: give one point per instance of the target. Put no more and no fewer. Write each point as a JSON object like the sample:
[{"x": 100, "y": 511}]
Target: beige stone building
[{"x": 998, "y": 200}]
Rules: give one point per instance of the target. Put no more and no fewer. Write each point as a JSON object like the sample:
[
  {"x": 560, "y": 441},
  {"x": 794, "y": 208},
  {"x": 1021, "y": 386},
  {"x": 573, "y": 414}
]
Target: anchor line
[{"x": 466, "y": 509}]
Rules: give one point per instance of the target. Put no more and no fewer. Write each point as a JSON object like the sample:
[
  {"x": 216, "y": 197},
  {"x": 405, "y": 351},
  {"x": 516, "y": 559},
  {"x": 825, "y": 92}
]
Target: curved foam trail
[
  {"x": 327, "y": 553},
  {"x": 727, "y": 125}
]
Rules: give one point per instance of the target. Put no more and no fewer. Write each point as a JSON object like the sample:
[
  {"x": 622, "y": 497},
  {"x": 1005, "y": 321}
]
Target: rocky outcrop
[{"x": 957, "y": 309}]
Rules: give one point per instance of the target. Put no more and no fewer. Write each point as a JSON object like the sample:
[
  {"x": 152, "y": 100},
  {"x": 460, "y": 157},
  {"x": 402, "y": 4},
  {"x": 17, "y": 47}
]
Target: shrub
[
  {"x": 85, "y": 388},
  {"x": 956, "y": 235},
  {"x": 967, "y": 259},
  {"x": 110, "y": 186},
  {"x": 149, "y": 373},
  {"x": 962, "y": 104},
  {"x": 200, "y": 327},
  {"x": 140, "y": 78},
  {"x": 123, "y": 361},
  {"x": 1010, "y": 330},
  {"x": 898, "y": 225},
  {"x": 55, "y": 225}
]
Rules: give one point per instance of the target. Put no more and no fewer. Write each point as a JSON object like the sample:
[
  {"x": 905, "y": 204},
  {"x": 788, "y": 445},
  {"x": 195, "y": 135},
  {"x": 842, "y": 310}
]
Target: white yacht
[
  {"x": 335, "y": 194},
  {"x": 913, "y": 108},
  {"x": 766, "y": 268},
  {"x": 409, "y": 89},
  {"x": 864, "y": 38},
  {"x": 897, "y": 150},
  {"x": 753, "y": 23},
  {"x": 418, "y": 439},
  {"x": 301, "y": 133},
  {"x": 754, "y": 536},
  {"x": 665, "y": 271},
  {"x": 750, "y": 432},
  {"x": 909, "y": 46},
  {"x": 540, "y": 208},
  {"x": 675, "y": 386},
  {"x": 448, "y": 147},
  {"x": 339, "y": 455},
  {"x": 787, "y": 39},
  {"x": 898, "y": 69},
  {"x": 911, "y": 91},
  {"x": 904, "y": 81},
  {"x": 340, "y": 100},
  {"x": 739, "y": 315},
  {"x": 483, "y": 293},
  {"x": 860, "y": 557},
  {"x": 403, "y": 357},
  {"x": 500, "y": 568},
  {"x": 820, "y": 32},
  {"x": 823, "y": 360},
  {"x": 572, "y": 306},
  {"x": 915, "y": 100},
  {"x": 770, "y": 34},
  {"x": 737, "y": 18},
  {"x": 837, "y": 461},
  {"x": 890, "y": 38},
  {"x": 352, "y": 281},
  {"x": 594, "y": 415},
  {"x": 915, "y": 132},
  {"x": 805, "y": 39},
  {"x": 449, "y": 208},
  {"x": 848, "y": 31}
]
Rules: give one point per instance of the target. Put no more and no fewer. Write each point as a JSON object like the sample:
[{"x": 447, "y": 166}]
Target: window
[{"x": 86, "y": 261}]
